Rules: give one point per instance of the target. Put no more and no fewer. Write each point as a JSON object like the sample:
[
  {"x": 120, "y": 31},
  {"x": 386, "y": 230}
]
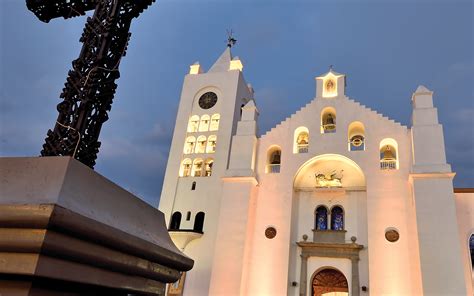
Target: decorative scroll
[
  {"x": 329, "y": 180},
  {"x": 90, "y": 87}
]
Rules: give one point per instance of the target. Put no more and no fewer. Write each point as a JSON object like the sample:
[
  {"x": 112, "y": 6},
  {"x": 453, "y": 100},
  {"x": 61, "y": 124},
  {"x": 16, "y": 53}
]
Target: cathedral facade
[{"x": 337, "y": 199}]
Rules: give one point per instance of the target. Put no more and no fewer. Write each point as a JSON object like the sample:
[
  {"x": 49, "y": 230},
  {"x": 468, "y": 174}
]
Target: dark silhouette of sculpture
[{"x": 90, "y": 86}]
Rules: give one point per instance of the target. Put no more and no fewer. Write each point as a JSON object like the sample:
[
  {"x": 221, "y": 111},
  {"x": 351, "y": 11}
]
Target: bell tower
[
  {"x": 208, "y": 114},
  {"x": 432, "y": 187}
]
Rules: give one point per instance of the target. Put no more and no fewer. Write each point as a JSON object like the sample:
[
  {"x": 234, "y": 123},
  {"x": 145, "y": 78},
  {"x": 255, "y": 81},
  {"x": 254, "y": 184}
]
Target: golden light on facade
[
  {"x": 236, "y": 64},
  {"x": 195, "y": 69}
]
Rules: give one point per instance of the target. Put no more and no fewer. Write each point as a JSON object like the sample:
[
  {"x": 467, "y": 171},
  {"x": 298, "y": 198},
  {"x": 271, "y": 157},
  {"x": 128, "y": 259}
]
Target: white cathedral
[{"x": 335, "y": 200}]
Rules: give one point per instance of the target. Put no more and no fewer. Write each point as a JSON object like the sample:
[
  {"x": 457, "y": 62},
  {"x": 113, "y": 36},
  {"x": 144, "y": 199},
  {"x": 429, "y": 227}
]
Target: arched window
[
  {"x": 301, "y": 140},
  {"x": 208, "y": 167},
  {"x": 193, "y": 124},
  {"x": 175, "y": 221},
  {"x": 215, "y": 122},
  {"x": 193, "y": 186},
  {"x": 211, "y": 144},
  {"x": 321, "y": 221},
  {"x": 273, "y": 160},
  {"x": 199, "y": 222},
  {"x": 197, "y": 168},
  {"x": 337, "y": 218},
  {"x": 204, "y": 125},
  {"x": 201, "y": 145},
  {"x": 356, "y": 136},
  {"x": 189, "y": 145},
  {"x": 185, "y": 170},
  {"x": 388, "y": 154},
  {"x": 328, "y": 120}
]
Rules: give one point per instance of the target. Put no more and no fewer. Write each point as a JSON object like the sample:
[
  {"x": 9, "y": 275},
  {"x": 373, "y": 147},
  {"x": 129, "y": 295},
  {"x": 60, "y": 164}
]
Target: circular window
[
  {"x": 392, "y": 235},
  {"x": 207, "y": 100},
  {"x": 270, "y": 232}
]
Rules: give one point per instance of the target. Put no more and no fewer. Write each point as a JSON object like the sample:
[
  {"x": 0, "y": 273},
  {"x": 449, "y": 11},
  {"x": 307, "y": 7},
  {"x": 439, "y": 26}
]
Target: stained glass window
[
  {"x": 321, "y": 218},
  {"x": 337, "y": 218}
]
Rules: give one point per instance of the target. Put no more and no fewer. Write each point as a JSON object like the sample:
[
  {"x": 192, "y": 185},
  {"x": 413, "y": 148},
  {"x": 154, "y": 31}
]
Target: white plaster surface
[{"x": 235, "y": 258}]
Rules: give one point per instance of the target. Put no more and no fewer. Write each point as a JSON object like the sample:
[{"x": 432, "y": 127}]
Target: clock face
[{"x": 207, "y": 100}]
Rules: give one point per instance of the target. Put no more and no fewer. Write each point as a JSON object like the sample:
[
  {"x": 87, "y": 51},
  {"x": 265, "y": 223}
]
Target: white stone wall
[
  {"x": 387, "y": 200},
  {"x": 231, "y": 89},
  {"x": 234, "y": 257}
]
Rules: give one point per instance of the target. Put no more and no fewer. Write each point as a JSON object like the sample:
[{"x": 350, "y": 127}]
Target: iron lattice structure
[{"x": 90, "y": 87}]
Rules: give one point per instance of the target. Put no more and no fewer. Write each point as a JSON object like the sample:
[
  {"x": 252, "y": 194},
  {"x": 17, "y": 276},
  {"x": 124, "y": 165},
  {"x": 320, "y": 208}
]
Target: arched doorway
[{"x": 329, "y": 282}]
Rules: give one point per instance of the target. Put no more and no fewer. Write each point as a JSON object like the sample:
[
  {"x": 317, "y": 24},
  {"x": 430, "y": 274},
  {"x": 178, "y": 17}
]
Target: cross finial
[
  {"x": 330, "y": 67},
  {"x": 230, "y": 39}
]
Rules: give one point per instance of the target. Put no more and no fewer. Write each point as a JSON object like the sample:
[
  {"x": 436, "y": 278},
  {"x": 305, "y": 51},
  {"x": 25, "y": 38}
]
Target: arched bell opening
[
  {"x": 273, "y": 160},
  {"x": 189, "y": 145},
  {"x": 199, "y": 222},
  {"x": 201, "y": 144},
  {"x": 329, "y": 281},
  {"x": 204, "y": 124},
  {"x": 328, "y": 120},
  {"x": 356, "y": 136},
  {"x": 389, "y": 154},
  {"x": 175, "y": 221},
  {"x": 301, "y": 140},
  {"x": 193, "y": 124},
  {"x": 185, "y": 170},
  {"x": 215, "y": 119}
]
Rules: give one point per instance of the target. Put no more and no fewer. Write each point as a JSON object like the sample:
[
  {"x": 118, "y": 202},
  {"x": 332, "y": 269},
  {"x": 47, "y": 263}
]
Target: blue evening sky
[{"x": 386, "y": 48}]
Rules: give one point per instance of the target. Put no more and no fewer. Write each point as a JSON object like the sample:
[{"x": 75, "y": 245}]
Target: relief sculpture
[{"x": 333, "y": 179}]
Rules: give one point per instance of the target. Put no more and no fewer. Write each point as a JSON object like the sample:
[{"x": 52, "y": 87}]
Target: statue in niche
[
  {"x": 333, "y": 179},
  {"x": 330, "y": 87}
]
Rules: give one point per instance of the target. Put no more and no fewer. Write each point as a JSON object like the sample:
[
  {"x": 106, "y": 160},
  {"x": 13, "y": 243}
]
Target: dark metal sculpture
[{"x": 90, "y": 86}]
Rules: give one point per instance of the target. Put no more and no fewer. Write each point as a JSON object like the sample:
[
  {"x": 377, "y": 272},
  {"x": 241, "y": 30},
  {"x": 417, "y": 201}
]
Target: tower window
[
  {"x": 355, "y": 136},
  {"x": 185, "y": 170},
  {"x": 193, "y": 124},
  {"x": 301, "y": 140},
  {"x": 193, "y": 186},
  {"x": 273, "y": 160},
  {"x": 211, "y": 144},
  {"x": 328, "y": 120},
  {"x": 197, "y": 168},
  {"x": 189, "y": 145},
  {"x": 208, "y": 167},
  {"x": 337, "y": 218},
  {"x": 201, "y": 144},
  {"x": 321, "y": 222},
  {"x": 204, "y": 125},
  {"x": 215, "y": 122},
  {"x": 175, "y": 221},
  {"x": 188, "y": 216},
  {"x": 388, "y": 154},
  {"x": 199, "y": 222}
]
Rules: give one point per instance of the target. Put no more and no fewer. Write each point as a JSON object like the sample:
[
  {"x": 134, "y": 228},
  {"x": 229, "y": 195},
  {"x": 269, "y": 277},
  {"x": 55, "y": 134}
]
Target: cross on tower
[
  {"x": 90, "y": 86},
  {"x": 230, "y": 39}
]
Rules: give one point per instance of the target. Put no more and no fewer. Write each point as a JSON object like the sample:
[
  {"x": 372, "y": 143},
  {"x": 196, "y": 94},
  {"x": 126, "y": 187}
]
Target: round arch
[
  {"x": 328, "y": 279},
  {"x": 344, "y": 167}
]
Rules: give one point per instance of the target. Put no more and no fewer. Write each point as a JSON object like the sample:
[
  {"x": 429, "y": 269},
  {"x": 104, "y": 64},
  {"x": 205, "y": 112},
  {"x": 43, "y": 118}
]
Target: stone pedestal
[{"x": 66, "y": 230}]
